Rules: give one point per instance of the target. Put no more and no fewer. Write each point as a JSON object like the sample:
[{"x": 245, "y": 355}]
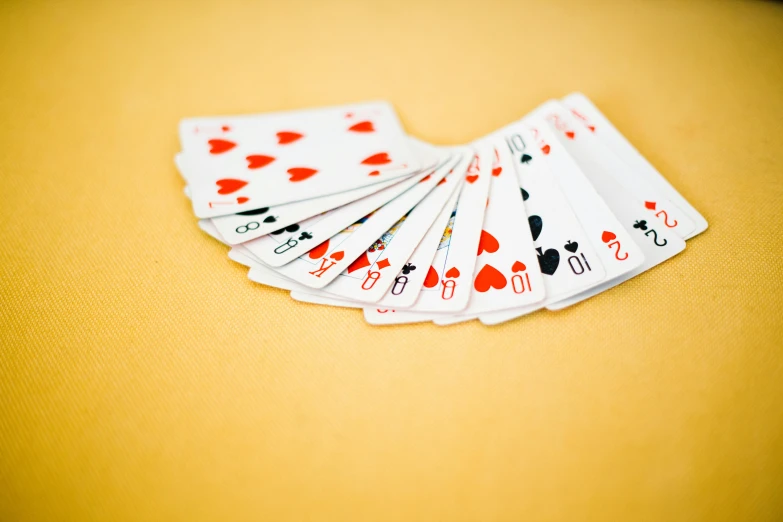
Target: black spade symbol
[
  {"x": 526, "y": 158},
  {"x": 571, "y": 246},
  {"x": 548, "y": 260},
  {"x": 525, "y": 194},
  {"x": 270, "y": 219},
  {"x": 536, "y": 224},
  {"x": 253, "y": 212}
]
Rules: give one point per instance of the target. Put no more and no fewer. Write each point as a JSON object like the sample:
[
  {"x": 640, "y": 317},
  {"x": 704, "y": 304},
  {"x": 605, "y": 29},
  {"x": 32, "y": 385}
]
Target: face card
[
  {"x": 449, "y": 285},
  {"x": 507, "y": 273},
  {"x": 269, "y": 160},
  {"x": 422, "y": 256},
  {"x": 349, "y": 252},
  {"x": 279, "y": 249},
  {"x": 640, "y": 177},
  {"x": 367, "y": 279}
]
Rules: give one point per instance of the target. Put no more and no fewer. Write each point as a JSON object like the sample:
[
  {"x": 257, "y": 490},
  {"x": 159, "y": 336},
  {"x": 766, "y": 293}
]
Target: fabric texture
[{"x": 144, "y": 377}]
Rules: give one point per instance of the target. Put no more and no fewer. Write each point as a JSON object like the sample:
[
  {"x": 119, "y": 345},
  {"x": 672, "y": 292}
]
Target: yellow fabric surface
[{"x": 143, "y": 377}]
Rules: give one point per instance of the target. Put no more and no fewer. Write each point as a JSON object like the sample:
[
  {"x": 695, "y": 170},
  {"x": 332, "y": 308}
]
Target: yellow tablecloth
[{"x": 143, "y": 377}]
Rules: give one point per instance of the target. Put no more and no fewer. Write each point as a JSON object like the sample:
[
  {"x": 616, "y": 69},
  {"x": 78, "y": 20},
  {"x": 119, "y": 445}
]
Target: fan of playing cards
[{"x": 341, "y": 207}]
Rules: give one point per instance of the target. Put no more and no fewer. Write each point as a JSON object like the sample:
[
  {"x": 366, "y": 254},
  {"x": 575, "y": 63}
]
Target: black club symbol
[
  {"x": 641, "y": 225},
  {"x": 407, "y": 269},
  {"x": 305, "y": 235}
]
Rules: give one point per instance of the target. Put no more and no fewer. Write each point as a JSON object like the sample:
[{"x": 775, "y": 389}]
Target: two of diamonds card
[{"x": 341, "y": 207}]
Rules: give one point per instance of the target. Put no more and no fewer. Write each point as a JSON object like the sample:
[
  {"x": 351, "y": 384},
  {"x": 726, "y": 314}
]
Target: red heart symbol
[
  {"x": 487, "y": 243},
  {"x": 471, "y": 179},
  {"x": 489, "y": 277},
  {"x": 319, "y": 250},
  {"x": 607, "y": 236},
  {"x": 381, "y": 158},
  {"x": 650, "y": 205},
  {"x": 374, "y": 173},
  {"x": 229, "y": 186},
  {"x": 496, "y": 171},
  {"x": 337, "y": 256},
  {"x": 453, "y": 272},
  {"x": 442, "y": 181},
  {"x": 518, "y": 266},
  {"x": 256, "y": 161},
  {"x": 425, "y": 178},
  {"x": 242, "y": 199},
  {"x": 286, "y": 137},
  {"x": 569, "y": 134},
  {"x": 359, "y": 262},
  {"x": 591, "y": 127},
  {"x": 364, "y": 126},
  {"x": 220, "y": 146},
  {"x": 432, "y": 278},
  {"x": 300, "y": 173},
  {"x": 545, "y": 149},
  {"x": 225, "y": 128}
]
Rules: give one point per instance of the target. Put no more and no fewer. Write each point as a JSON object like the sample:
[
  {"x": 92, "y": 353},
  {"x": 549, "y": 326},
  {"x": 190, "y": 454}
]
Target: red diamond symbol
[
  {"x": 650, "y": 205},
  {"x": 383, "y": 263}
]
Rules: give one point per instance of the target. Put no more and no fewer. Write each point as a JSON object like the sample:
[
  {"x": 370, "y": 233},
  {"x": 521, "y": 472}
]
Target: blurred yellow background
[{"x": 143, "y": 377}]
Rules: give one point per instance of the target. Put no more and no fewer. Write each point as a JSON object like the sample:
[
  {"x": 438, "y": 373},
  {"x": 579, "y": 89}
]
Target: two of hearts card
[{"x": 340, "y": 207}]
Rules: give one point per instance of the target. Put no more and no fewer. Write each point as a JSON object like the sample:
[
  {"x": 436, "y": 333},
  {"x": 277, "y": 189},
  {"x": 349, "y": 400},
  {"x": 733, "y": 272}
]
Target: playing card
[
  {"x": 657, "y": 241},
  {"x": 279, "y": 249},
  {"x": 567, "y": 260},
  {"x": 645, "y": 182},
  {"x": 612, "y": 243},
  {"x": 507, "y": 273},
  {"x": 370, "y": 279},
  {"x": 346, "y": 250},
  {"x": 251, "y": 162},
  {"x": 246, "y": 225},
  {"x": 422, "y": 256},
  {"x": 456, "y": 256}
]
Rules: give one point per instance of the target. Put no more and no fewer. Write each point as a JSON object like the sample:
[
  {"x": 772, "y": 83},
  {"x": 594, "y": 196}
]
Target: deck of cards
[{"x": 340, "y": 207}]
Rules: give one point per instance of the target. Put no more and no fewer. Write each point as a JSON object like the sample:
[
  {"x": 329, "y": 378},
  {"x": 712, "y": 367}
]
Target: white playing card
[
  {"x": 568, "y": 260},
  {"x": 347, "y": 250},
  {"x": 279, "y": 249},
  {"x": 507, "y": 273},
  {"x": 594, "y": 216},
  {"x": 657, "y": 241},
  {"x": 370, "y": 282},
  {"x": 646, "y": 183},
  {"x": 452, "y": 268},
  {"x": 616, "y": 250},
  {"x": 422, "y": 256},
  {"x": 267, "y": 160},
  {"x": 247, "y": 225}
]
